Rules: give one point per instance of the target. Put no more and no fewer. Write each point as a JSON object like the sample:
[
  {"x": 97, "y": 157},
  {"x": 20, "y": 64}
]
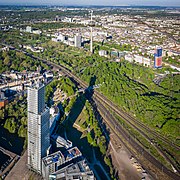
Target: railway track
[
  {"x": 112, "y": 122},
  {"x": 156, "y": 146},
  {"x": 131, "y": 121},
  {"x": 103, "y": 100}
]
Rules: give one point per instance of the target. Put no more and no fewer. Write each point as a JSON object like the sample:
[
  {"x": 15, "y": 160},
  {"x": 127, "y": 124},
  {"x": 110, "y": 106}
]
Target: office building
[
  {"x": 51, "y": 163},
  {"x": 55, "y": 161},
  {"x": 77, "y": 41},
  {"x": 158, "y": 57},
  {"x": 38, "y": 126},
  {"x": 79, "y": 170}
]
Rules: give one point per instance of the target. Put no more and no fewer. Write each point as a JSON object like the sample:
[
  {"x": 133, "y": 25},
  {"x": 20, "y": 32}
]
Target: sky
[{"x": 92, "y": 2}]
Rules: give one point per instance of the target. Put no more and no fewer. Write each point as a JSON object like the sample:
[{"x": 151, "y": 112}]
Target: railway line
[
  {"x": 127, "y": 117},
  {"x": 101, "y": 101},
  {"x": 159, "y": 150},
  {"x": 112, "y": 122},
  {"x": 123, "y": 115}
]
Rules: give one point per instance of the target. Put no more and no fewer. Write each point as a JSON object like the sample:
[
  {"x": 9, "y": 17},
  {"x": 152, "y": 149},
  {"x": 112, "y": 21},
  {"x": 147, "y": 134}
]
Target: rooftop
[
  {"x": 53, "y": 158},
  {"x": 75, "y": 171},
  {"x": 63, "y": 158}
]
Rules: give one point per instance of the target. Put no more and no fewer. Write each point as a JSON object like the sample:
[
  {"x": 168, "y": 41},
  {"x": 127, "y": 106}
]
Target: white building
[
  {"x": 138, "y": 59},
  {"x": 29, "y": 29},
  {"x": 61, "y": 142},
  {"x": 55, "y": 115},
  {"x": 142, "y": 60},
  {"x": 38, "y": 126},
  {"x": 103, "y": 53},
  {"x": 79, "y": 170},
  {"x": 51, "y": 162},
  {"x": 61, "y": 37},
  {"x": 129, "y": 58},
  {"x": 37, "y": 32},
  {"x": 146, "y": 62},
  {"x": 77, "y": 41}
]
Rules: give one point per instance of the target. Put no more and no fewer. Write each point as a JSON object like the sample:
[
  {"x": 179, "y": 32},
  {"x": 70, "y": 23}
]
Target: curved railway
[
  {"x": 101, "y": 99},
  {"x": 128, "y": 119},
  {"x": 112, "y": 122},
  {"x": 110, "y": 104},
  {"x": 160, "y": 151}
]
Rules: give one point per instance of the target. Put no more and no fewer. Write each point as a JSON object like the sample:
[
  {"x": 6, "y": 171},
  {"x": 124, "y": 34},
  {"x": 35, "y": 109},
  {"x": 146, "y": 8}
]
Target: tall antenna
[{"x": 91, "y": 35}]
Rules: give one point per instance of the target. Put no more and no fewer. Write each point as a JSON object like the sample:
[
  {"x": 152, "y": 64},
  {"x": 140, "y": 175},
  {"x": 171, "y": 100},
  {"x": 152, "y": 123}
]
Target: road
[{"x": 101, "y": 98}]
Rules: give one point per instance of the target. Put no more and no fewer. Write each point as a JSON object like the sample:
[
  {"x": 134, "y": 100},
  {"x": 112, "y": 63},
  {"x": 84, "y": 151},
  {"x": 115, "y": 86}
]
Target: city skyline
[
  {"x": 89, "y": 90},
  {"x": 93, "y": 2}
]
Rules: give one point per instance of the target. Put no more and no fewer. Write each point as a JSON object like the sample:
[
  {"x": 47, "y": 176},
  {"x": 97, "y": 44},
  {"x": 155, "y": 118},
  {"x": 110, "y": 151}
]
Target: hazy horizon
[{"x": 93, "y": 2}]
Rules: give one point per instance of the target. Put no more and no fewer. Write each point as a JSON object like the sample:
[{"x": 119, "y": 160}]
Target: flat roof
[
  {"x": 53, "y": 158},
  {"x": 79, "y": 169}
]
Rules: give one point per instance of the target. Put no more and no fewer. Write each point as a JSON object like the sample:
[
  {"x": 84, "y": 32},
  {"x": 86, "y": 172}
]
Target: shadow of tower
[{"x": 81, "y": 141}]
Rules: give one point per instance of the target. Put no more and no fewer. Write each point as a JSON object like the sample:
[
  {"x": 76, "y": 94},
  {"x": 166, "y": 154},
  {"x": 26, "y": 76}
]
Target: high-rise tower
[
  {"x": 77, "y": 41},
  {"x": 38, "y": 126},
  {"x": 91, "y": 33},
  {"x": 158, "y": 57}
]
